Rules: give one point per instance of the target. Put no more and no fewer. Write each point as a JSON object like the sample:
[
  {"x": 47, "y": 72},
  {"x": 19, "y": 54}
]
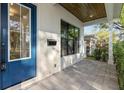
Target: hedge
[{"x": 118, "y": 51}]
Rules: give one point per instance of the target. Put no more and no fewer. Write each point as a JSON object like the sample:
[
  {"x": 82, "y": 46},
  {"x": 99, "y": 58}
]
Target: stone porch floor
[{"x": 85, "y": 75}]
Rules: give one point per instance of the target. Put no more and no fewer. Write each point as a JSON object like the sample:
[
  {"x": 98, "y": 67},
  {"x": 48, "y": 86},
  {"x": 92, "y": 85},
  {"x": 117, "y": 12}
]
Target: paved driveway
[{"x": 85, "y": 75}]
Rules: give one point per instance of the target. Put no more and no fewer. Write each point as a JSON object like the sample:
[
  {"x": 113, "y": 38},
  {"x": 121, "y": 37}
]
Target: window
[
  {"x": 76, "y": 40},
  {"x": 63, "y": 39},
  {"x": 69, "y": 39},
  {"x": 19, "y": 32}
]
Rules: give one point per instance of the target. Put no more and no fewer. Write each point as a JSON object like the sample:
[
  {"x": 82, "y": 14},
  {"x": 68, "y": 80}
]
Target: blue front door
[{"x": 18, "y": 44}]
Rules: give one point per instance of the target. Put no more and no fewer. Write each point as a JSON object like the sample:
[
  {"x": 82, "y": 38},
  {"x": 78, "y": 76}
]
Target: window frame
[
  {"x": 73, "y": 39},
  {"x": 21, "y": 58},
  {"x": 78, "y": 39},
  {"x": 66, "y": 39}
]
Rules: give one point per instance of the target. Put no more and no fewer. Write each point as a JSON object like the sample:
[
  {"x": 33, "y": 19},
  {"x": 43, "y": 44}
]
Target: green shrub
[
  {"x": 121, "y": 80},
  {"x": 104, "y": 54},
  {"x": 101, "y": 54},
  {"x": 118, "y": 52},
  {"x": 97, "y": 54}
]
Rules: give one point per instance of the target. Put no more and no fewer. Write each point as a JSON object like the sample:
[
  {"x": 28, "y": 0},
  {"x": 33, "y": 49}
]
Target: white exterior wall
[{"x": 49, "y": 27}]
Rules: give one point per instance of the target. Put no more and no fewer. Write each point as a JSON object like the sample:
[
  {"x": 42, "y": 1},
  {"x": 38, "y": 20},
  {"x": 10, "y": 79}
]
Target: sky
[{"x": 90, "y": 29}]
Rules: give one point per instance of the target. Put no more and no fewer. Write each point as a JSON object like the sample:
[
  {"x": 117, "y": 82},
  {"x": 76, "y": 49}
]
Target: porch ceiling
[{"x": 86, "y": 11}]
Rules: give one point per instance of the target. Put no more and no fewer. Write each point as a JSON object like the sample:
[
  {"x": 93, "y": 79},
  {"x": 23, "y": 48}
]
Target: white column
[
  {"x": 90, "y": 46},
  {"x": 85, "y": 49},
  {"x": 82, "y": 43},
  {"x": 110, "y": 60}
]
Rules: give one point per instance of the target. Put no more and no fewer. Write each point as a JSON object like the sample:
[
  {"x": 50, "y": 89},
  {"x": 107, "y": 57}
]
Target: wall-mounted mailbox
[{"x": 51, "y": 42}]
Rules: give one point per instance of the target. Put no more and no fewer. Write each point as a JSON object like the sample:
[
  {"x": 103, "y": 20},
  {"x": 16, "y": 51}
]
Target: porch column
[
  {"x": 85, "y": 49},
  {"x": 82, "y": 43},
  {"x": 110, "y": 60}
]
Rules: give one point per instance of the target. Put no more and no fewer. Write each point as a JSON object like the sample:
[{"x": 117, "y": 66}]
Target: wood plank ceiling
[{"x": 86, "y": 11}]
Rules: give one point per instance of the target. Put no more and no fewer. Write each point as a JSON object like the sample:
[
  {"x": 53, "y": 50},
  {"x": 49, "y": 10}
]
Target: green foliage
[
  {"x": 119, "y": 55},
  {"x": 103, "y": 35},
  {"x": 121, "y": 81},
  {"x": 101, "y": 53},
  {"x": 97, "y": 54},
  {"x": 118, "y": 51},
  {"x": 122, "y": 16},
  {"x": 104, "y": 53}
]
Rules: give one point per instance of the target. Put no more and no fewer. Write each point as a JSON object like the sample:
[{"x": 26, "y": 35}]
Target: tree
[
  {"x": 101, "y": 51},
  {"x": 103, "y": 34}
]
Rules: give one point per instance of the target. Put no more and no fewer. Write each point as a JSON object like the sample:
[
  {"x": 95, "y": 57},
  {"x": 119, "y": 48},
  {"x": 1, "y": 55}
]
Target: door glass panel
[
  {"x": 14, "y": 27},
  {"x": 25, "y": 32},
  {"x": 19, "y": 32}
]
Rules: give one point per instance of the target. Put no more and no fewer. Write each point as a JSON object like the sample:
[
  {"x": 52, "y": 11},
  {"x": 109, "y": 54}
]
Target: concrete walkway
[{"x": 85, "y": 75}]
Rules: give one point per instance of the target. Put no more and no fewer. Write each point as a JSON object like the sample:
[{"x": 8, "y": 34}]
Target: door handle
[{"x": 2, "y": 66}]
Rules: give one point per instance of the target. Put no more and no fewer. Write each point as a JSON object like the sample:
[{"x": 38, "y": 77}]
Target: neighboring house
[{"x": 90, "y": 41}]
